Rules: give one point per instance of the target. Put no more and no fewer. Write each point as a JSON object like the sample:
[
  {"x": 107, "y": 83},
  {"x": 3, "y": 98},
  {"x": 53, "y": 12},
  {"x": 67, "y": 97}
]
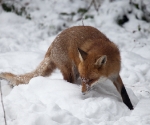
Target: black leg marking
[{"x": 125, "y": 98}]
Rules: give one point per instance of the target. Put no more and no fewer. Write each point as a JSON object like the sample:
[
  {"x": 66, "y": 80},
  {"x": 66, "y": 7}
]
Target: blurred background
[{"x": 31, "y": 25}]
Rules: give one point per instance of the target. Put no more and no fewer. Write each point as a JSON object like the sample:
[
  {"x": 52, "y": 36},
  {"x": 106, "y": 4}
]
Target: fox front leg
[{"x": 121, "y": 89}]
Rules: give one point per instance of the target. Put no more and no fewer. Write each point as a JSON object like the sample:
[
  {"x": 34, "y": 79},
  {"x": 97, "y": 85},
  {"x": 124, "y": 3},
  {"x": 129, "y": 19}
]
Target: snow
[{"x": 53, "y": 101}]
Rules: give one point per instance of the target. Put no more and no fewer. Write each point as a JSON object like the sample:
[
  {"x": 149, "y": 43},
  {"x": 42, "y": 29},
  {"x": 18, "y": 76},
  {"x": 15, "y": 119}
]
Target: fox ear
[
  {"x": 82, "y": 55},
  {"x": 101, "y": 61}
]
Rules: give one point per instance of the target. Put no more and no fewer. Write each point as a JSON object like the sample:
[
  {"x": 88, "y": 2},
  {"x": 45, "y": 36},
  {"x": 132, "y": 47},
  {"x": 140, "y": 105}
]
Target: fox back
[{"x": 100, "y": 56}]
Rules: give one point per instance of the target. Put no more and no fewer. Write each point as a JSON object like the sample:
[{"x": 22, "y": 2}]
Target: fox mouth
[{"x": 89, "y": 87}]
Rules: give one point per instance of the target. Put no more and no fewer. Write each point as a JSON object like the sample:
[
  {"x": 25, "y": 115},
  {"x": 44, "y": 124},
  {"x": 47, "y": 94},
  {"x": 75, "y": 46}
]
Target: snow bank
[{"x": 46, "y": 101}]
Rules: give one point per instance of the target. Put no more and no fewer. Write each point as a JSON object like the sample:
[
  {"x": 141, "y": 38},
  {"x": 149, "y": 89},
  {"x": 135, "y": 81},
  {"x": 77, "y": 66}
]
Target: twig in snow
[
  {"x": 82, "y": 23},
  {"x": 2, "y": 103}
]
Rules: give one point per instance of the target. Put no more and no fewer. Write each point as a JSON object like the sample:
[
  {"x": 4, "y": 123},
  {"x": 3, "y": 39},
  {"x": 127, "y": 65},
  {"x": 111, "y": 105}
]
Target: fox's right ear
[{"x": 82, "y": 55}]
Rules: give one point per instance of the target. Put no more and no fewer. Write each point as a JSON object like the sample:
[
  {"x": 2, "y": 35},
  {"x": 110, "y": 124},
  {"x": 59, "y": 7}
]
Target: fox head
[{"x": 91, "y": 68}]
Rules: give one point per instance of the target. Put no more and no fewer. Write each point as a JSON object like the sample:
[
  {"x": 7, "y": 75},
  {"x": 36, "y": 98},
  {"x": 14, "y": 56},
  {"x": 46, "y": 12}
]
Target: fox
[{"x": 79, "y": 52}]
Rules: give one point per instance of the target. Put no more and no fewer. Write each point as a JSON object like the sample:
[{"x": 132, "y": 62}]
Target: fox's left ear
[
  {"x": 101, "y": 61},
  {"x": 82, "y": 55}
]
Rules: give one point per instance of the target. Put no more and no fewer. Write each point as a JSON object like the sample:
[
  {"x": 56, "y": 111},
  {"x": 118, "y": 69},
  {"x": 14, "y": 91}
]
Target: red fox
[{"x": 79, "y": 51}]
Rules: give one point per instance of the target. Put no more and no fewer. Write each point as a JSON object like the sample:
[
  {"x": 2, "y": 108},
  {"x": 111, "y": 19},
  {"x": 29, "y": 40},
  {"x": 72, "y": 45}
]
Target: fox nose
[{"x": 85, "y": 85}]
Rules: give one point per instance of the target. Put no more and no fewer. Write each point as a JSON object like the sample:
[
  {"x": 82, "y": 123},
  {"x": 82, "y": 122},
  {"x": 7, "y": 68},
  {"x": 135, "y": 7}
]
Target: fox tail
[{"x": 45, "y": 68}]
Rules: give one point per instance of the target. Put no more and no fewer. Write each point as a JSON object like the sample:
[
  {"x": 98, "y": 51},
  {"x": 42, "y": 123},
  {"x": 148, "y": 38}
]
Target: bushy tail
[{"x": 45, "y": 68}]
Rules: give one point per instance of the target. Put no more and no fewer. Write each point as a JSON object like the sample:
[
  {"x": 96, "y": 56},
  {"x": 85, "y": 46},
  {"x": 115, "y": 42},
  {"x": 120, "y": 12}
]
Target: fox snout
[{"x": 87, "y": 84}]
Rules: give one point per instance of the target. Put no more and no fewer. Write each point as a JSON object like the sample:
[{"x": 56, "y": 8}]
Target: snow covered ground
[{"x": 53, "y": 101}]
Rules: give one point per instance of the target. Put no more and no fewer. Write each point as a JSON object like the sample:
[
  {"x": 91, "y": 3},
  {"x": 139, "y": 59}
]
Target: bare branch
[{"x": 96, "y": 6}]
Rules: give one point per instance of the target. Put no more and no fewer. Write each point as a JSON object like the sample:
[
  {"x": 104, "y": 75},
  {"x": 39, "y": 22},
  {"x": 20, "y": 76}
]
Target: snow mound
[{"x": 46, "y": 101}]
